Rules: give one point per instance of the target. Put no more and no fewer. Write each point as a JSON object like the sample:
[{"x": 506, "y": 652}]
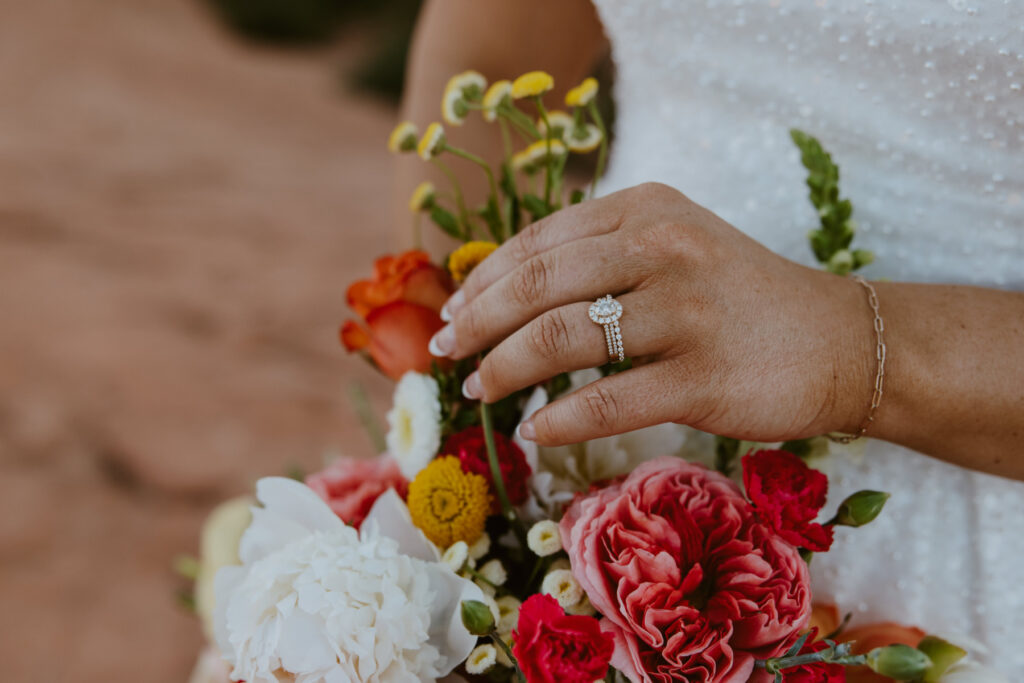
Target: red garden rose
[
  {"x": 819, "y": 672},
  {"x": 350, "y": 486},
  {"x": 553, "y": 647},
  {"x": 691, "y": 584},
  {"x": 788, "y": 495},
  {"x": 469, "y": 447},
  {"x": 399, "y": 307}
]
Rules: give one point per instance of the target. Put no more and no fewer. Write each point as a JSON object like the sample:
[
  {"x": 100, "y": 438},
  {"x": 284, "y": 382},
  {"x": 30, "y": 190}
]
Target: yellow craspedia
[
  {"x": 467, "y": 257},
  {"x": 422, "y": 197},
  {"x": 532, "y": 83},
  {"x": 447, "y": 504},
  {"x": 403, "y": 138},
  {"x": 495, "y": 95},
  {"x": 432, "y": 142},
  {"x": 583, "y": 94}
]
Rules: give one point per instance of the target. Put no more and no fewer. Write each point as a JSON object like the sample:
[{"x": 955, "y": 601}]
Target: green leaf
[
  {"x": 577, "y": 196},
  {"x": 446, "y": 221},
  {"x": 492, "y": 217},
  {"x": 536, "y": 206}
]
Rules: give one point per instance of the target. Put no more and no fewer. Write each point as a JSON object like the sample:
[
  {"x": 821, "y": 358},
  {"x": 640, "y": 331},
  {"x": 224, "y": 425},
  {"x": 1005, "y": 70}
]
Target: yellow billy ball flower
[
  {"x": 422, "y": 197},
  {"x": 447, "y": 504},
  {"x": 467, "y": 257},
  {"x": 532, "y": 83},
  {"x": 584, "y": 139},
  {"x": 561, "y": 123},
  {"x": 495, "y": 95},
  {"x": 403, "y": 138},
  {"x": 432, "y": 142},
  {"x": 583, "y": 94}
]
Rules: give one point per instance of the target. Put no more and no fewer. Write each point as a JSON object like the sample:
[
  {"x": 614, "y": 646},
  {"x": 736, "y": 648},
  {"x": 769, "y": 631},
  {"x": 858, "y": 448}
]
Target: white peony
[
  {"x": 560, "y": 473},
  {"x": 316, "y": 602},
  {"x": 415, "y": 423},
  {"x": 972, "y": 672}
]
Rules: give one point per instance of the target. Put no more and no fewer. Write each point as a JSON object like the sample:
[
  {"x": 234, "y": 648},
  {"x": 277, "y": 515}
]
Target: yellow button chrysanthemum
[
  {"x": 422, "y": 197},
  {"x": 582, "y": 94},
  {"x": 447, "y": 504},
  {"x": 561, "y": 123},
  {"x": 432, "y": 141},
  {"x": 467, "y": 257},
  {"x": 532, "y": 83},
  {"x": 403, "y": 138},
  {"x": 585, "y": 139},
  {"x": 493, "y": 98}
]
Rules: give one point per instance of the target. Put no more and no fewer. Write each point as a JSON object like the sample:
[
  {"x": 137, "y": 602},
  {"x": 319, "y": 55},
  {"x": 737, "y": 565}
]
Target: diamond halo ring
[{"x": 606, "y": 312}]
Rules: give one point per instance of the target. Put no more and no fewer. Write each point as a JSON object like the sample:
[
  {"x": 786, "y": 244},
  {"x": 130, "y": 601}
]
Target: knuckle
[
  {"x": 469, "y": 324},
  {"x": 531, "y": 281},
  {"x": 525, "y": 244},
  {"x": 550, "y": 335},
  {"x": 600, "y": 407}
]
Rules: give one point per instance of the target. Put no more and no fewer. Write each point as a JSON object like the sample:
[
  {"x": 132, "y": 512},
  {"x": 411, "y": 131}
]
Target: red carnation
[
  {"x": 471, "y": 450},
  {"x": 787, "y": 495},
  {"x": 819, "y": 672},
  {"x": 552, "y": 646}
]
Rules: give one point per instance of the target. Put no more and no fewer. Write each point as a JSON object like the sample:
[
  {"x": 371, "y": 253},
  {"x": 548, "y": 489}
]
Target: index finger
[{"x": 594, "y": 217}]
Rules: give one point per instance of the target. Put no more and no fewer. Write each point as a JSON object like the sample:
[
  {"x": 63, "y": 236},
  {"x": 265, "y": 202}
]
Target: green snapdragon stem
[
  {"x": 468, "y": 156},
  {"x": 548, "y": 172},
  {"x": 499, "y": 480},
  {"x": 602, "y": 152},
  {"x": 459, "y": 201},
  {"x": 361, "y": 404}
]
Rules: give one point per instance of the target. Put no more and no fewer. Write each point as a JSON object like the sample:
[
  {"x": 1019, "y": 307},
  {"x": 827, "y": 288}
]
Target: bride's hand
[{"x": 725, "y": 335}]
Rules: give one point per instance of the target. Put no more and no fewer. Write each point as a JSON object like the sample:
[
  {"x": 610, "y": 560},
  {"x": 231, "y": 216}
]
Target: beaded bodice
[{"x": 921, "y": 104}]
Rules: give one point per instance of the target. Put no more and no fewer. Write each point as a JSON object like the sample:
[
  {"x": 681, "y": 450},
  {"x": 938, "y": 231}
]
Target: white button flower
[
  {"x": 544, "y": 538},
  {"x": 315, "y": 601},
  {"x": 415, "y": 423},
  {"x": 563, "y": 586},
  {"x": 481, "y": 659}
]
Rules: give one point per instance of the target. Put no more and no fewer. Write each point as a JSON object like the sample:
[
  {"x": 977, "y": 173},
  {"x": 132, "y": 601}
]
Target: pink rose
[
  {"x": 693, "y": 587},
  {"x": 350, "y": 486}
]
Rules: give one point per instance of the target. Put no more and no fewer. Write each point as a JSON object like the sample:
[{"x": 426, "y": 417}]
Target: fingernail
[
  {"x": 472, "y": 388},
  {"x": 454, "y": 303},
  {"x": 443, "y": 343},
  {"x": 527, "y": 431}
]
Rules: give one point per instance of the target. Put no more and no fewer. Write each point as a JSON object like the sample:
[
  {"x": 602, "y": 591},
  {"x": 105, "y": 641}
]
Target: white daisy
[{"x": 415, "y": 423}]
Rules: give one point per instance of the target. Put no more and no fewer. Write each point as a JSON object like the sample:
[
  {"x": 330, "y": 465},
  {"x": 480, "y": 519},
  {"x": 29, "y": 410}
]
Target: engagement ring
[{"x": 606, "y": 312}]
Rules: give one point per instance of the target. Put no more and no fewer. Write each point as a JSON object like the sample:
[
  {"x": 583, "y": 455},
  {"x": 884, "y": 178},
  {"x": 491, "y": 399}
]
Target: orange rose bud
[
  {"x": 400, "y": 307},
  {"x": 867, "y": 638}
]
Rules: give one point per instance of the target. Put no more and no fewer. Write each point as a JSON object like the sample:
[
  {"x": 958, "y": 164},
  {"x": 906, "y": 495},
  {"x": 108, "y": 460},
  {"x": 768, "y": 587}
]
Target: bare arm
[{"x": 500, "y": 40}]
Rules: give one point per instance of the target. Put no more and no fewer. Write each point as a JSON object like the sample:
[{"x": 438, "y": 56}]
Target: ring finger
[{"x": 561, "y": 340}]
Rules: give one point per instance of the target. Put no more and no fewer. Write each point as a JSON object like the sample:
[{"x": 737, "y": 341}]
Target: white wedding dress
[{"x": 921, "y": 104}]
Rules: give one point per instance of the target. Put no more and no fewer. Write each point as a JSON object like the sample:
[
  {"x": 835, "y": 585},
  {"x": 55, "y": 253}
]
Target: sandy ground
[{"x": 179, "y": 217}]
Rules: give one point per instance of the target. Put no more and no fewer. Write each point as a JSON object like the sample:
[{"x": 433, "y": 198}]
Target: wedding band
[{"x": 606, "y": 312}]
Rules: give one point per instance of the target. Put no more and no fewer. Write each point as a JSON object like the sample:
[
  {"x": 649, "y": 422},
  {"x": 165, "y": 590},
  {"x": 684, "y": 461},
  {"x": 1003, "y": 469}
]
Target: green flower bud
[
  {"x": 863, "y": 257},
  {"x": 841, "y": 262},
  {"x": 943, "y": 655},
  {"x": 860, "y": 508},
  {"x": 900, "y": 662},
  {"x": 477, "y": 617}
]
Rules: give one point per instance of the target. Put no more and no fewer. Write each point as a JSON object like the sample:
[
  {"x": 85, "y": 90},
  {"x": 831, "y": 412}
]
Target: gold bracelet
[{"x": 876, "y": 398}]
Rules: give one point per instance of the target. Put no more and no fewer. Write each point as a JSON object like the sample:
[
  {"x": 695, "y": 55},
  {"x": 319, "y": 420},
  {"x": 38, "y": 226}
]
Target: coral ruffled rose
[
  {"x": 350, "y": 486},
  {"x": 471, "y": 450},
  {"x": 691, "y": 584},
  {"x": 400, "y": 308},
  {"x": 553, "y": 647},
  {"x": 788, "y": 495}
]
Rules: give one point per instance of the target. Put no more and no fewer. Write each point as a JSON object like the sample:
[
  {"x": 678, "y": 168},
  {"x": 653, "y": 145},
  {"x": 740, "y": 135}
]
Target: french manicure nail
[
  {"x": 442, "y": 344},
  {"x": 471, "y": 388},
  {"x": 527, "y": 430},
  {"x": 454, "y": 303}
]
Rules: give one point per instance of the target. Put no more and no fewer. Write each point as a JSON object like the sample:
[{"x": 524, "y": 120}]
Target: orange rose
[
  {"x": 877, "y": 635},
  {"x": 400, "y": 308}
]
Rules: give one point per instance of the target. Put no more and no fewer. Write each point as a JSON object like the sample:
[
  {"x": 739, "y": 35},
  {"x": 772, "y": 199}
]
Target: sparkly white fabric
[{"x": 921, "y": 104}]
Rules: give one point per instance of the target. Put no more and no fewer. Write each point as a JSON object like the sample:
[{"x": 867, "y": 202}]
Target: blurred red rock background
[{"x": 180, "y": 213}]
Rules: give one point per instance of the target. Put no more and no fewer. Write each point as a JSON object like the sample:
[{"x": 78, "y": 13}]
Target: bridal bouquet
[{"x": 464, "y": 551}]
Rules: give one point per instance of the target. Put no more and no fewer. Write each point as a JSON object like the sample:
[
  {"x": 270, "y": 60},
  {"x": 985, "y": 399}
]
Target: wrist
[{"x": 855, "y": 363}]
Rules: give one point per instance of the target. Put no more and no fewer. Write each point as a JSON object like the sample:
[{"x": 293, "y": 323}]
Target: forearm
[
  {"x": 954, "y": 376},
  {"x": 500, "y": 40}
]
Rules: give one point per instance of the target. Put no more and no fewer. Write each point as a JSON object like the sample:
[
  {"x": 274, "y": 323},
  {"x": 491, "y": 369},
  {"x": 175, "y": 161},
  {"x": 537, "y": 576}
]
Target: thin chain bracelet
[{"x": 876, "y": 398}]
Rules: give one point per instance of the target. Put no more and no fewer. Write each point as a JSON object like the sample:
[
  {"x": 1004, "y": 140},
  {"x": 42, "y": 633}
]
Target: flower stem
[
  {"x": 468, "y": 156},
  {"x": 602, "y": 153},
  {"x": 499, "y": 480},
  {"x": 361, "y": 404},
  {"x": 459, "y": 201},
  {"x": 508, "y": 653},
  {"x": 548, "y": 171}
]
